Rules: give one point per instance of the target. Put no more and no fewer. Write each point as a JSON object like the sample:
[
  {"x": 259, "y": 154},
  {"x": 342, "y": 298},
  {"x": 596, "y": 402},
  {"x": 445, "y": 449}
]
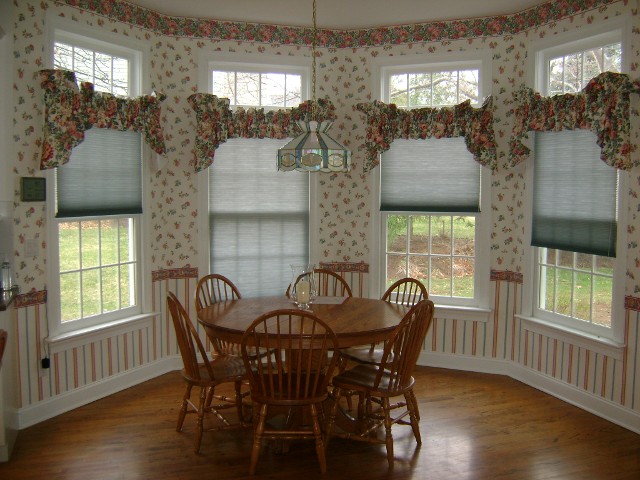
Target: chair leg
[
  {"x": 184, "y": 407},
  {"x": 257, "y": 439},
  {"x": 238, "y": 385},
  {"x": 335, "y": 395},
  {"x": 200, "y": 421},
  {"x": 317, "y": 432},
  {"x": 413, "y": 415},
  {"x": 387, "y": 426},
  {"x": 414, "y": 401}
]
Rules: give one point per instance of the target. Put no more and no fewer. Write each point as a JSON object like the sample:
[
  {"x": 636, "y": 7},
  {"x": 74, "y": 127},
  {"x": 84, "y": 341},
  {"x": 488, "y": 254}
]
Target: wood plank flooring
[{"x": 474, "y": 426}]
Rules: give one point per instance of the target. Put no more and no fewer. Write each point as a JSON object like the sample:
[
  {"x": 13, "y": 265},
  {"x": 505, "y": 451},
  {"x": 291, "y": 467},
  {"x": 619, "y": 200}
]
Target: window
[
  {"x": 258, "y": 216},
  {"x": 433, "y": 193},
  {"x": 98, "y": 198},
  {"x": 575, "y": 201}
]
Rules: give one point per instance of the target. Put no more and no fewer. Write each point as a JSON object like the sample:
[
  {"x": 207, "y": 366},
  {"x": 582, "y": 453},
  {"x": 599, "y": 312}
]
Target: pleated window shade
[
  {"x": 103, "y": 176},
  {"x": 575, "y": 194},
  {"x": 430, "y": 175},
  {"x": 258, "y": 217}
]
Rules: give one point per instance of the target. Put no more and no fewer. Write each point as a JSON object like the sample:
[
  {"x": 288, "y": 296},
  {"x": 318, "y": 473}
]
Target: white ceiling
[{"x": 337, "y": 14}]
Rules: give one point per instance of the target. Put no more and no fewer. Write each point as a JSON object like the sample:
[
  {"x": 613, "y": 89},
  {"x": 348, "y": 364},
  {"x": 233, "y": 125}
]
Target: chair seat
[
  {"x": 225, "y": 368},
  {"x": 363, "y": 378},
  {"x": 364, "y": 355}
]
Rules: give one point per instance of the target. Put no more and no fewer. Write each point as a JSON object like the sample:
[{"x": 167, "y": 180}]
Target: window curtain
[
  {"x": 70, "y": 111},
  {"x": 602, "y": 106},
  {"x": 387, "y": 122},
  {"x": 216, "y": 122}
]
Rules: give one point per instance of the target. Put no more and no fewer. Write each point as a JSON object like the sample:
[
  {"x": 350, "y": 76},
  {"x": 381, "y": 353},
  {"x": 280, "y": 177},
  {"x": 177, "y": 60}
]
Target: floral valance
[
  {"x": 386, "y": 122},
  {"x": 602, "y": 106},
  {"x": 70, "y": 111},
  {"x": 216, "y": 123}
]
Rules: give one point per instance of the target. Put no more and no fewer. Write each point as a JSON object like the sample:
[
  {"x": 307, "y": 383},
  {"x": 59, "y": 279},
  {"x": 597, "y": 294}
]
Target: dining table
[{"x": 355, "y": 321}]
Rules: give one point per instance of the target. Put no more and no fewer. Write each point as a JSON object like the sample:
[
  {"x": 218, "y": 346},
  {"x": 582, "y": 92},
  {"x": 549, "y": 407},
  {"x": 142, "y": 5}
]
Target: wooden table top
[{"x": 355, "y": 321}]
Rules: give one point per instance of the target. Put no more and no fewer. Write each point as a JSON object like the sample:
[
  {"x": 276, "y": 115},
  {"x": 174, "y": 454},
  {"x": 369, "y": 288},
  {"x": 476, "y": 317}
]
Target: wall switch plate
[{"x": 31, "y": 247}]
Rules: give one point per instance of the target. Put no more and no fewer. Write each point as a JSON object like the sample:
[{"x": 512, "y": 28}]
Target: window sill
[
  {"x": 589, "y": 341},
  {"x": 77, "y": 338},
  {"x": 456, "y": 312}
]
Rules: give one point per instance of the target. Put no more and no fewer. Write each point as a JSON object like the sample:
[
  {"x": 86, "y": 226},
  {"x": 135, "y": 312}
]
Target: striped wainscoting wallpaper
[{"x": 503, "y": 338}]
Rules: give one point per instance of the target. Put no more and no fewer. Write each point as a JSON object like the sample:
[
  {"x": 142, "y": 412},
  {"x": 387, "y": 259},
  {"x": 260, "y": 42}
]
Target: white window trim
[
  {"x": 555, "y": 325},
  {"x": 478, "y": 308},
  {"x": 264, "y": 64},
  {"x": 137, "y": 52}
]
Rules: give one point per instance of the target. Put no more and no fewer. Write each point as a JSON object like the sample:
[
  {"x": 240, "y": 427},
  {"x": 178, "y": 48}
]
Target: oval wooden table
[{"x": 355, "y": 321}]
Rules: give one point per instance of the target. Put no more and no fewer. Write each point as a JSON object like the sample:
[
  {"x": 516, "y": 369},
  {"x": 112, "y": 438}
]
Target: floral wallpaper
[{"x": 346, "y": 66}]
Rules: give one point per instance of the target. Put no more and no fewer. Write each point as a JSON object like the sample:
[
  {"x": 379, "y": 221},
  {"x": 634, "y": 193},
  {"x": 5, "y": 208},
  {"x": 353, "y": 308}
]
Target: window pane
[
  {"x": 294, "y": 90},
  {"x": 110, "y": 289},
  {"x": 248, "y": 88},
  {"x": 464, "y": 230},
  {"x": 463, "y": 275},
  {"x": 441, "y": 235},
  {"x": 398, "y": 88},
  {"x": 397, "y": 233},
  {"x": 445, "y": 88},
  {"x": 126, "y": 247},
  {"x": 440, "y": 278},
  {"x": 419, "y": 241},
  {"x": 564, "y": 288},
  {"x": 396, "y": 268},
  {"x": 273, "y": 89},
  {"x": 90, "y": 244},
  {"x": 420, "y": 90},
  {"x": 127, "y": 282},
  {"x": 468, "y": 86},
  {"x": 603, "y": 286},
  {"x": 91, "y": 294},
  {"x": 224, "y": 85},
  {"x": 69, "y": 245},
  {"x": 70, "y": 303},
  {"x": 109, "y": 241}
]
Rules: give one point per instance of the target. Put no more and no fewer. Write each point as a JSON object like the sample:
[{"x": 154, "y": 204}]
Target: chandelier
[{"x": 314, "y": 150}]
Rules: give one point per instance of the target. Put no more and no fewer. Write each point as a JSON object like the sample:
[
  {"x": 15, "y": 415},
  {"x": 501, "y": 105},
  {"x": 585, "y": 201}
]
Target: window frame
[
  {"x": 476, "y": 308},
  {"x": 258, "y": 64},
  {"x": 61, "y": 333},
  {"x": 602, "y": 339}
]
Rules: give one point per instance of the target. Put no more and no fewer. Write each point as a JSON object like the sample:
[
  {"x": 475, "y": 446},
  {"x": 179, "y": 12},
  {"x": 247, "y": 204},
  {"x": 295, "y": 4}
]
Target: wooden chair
[
  {"x": 393, "y": 377},
  {"x": 328, "y": 284},
  {"x": 205, "y": 374},
  {"x": 296, "y": 374},
  {"x": 406, "y": 291},
  {"x": 211, "y": 289}
]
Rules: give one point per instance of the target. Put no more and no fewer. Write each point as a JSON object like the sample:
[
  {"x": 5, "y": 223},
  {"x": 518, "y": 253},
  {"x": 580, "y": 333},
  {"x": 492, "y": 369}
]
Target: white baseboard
[
  {"x": 68, "y": 401},
  {"x": 599, "y": 406}
]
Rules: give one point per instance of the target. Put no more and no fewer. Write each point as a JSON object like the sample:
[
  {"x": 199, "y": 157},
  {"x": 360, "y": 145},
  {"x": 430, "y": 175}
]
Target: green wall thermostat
[{"x": 33, "y": 189}]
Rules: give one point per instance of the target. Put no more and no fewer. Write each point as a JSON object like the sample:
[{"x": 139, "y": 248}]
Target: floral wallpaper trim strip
[
  {"x": 602, "y": 106},
  {"x": 342, "y": 267},
  {"x": 499, "y": 25},
  {"x": 216, "y": 122},
  {"x": 506, "y": 276},
  {"x": 70, "y": 111},
  {"x": 174, "y": 273},
  {"x": 30, "y": 299},
  {"x": 387, "y": 122}
]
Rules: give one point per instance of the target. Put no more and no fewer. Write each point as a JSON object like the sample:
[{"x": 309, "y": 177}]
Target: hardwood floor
[{"x": 474, "y": 426}]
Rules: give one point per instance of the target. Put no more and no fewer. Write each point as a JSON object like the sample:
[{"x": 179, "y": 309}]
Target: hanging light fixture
[{"x": 314, "y": 150}]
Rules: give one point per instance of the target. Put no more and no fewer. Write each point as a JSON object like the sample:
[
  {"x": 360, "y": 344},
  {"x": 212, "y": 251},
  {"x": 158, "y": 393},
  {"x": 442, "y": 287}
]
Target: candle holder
[{"x": 302, "y": 291}]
